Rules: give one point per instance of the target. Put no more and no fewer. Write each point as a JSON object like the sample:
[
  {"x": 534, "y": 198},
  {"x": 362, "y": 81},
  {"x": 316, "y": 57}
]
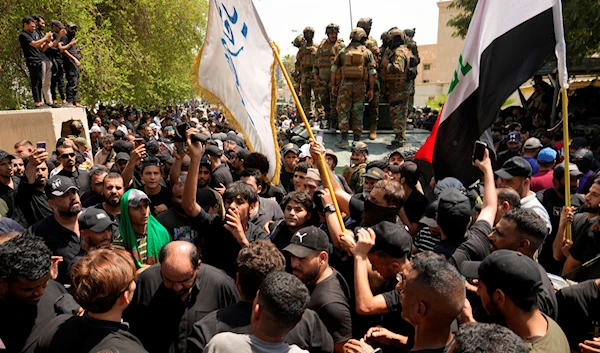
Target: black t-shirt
[
  {"x": 61, "y": 241},
  {"x": 162, "y": 321},
  {"x": 447, "y": 247},
  {"x": 22, "y": 324},
  {"x": 357, "y": 208},
  {"x": 65, "y": 40},
  {"x": 309, "y": 334},
  {"x": 179, "y": 226},
  {"x": 393, "y": 320},
  {"x": 579, "y": 312},
  {"x": 163, "y": 197},
  {"x": 90, "y": 199},
  {"x": 54, "y": 52},
  {"x": 80, "y": 178},
  {"x": 331, "y": 299},
  {"x": 414, "y": 206},
  {"x": 273, "y": 193},
  {"x": 9, "y": 195},
  {"x": 553, "y": 204},
  {"x": 503, "y": 157},
  {"x": 32, "y": 202},
  {"x": 220, "y": 175},
  {"x": 476, "y": 247},
  {"x": 31, "y": 54},
  {"x": 76, "y": 334},
  {"x": 585, "y": 248},
  {"x": 287, "y": 180},
  {"x": 220, "y": 248},
  {"x": 546, "y": 298}
]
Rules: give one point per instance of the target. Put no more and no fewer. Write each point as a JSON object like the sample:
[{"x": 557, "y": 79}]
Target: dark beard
[{"x": 71, "y": 212}]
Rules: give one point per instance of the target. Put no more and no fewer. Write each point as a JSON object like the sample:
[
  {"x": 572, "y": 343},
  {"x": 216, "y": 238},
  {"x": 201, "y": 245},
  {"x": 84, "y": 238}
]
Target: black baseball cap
[
  {"x": 59, "y": 185},
  {"x": 392, "y": 239},
  {"x": 122, "y": 156},
  {"x": 4, "y": 154},
  {"x": 57, "y": 24},
  {"x": 429, "y": 219},
  {"x": 515, "y": 274},
  {"x": 396, "y": 152},
  {"x": 290, "y": 147},
  {"x": 206, "y": 198},
  {"x": 308, "y": 240},
  {"x": 453, "y": 212},
  {"x": 579, "y": 142},
  {"x": 242, "y": 154},
  {"x": 94, "y": 219},
  {"x": 213, "y": 151},
  {"x": 410, "y": 172},
  {"x": 122, "y": 146},
  {"x": 515, "y": 167},
  {"x": 374, "y": 173},
  {"x": 559, "y": 171}
]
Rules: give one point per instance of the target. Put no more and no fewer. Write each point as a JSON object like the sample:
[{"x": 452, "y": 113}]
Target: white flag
[{"x": 236, "y": 70}]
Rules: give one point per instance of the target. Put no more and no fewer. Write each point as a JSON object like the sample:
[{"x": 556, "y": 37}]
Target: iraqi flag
[
  {"x": 507, "y": 42},
  {"x": 235, "y": 69}
]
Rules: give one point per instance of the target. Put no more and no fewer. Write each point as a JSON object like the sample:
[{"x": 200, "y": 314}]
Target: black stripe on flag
[{"x": 505, "y": 64}]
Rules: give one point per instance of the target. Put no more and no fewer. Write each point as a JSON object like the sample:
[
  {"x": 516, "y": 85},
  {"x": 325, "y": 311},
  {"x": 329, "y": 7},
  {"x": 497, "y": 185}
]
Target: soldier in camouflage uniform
[
  {"x": 304, "y": 62},
  {"x": 395, "y": 65},
  {"x": 373, "y": 107},
  {"x": 326, "y": 53},
  {"x": 298, "y": 43},
  {"x": 353, "y": 69},
  {"x": 414, "y": 48},
  {"x": 358, "y": 166}
]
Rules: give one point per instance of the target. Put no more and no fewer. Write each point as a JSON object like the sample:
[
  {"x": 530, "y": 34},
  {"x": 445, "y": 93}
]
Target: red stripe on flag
[{"x": 425, "y": 153}]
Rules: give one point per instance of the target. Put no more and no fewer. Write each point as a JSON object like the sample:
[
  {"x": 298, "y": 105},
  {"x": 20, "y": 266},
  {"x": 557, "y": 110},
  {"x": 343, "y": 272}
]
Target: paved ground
[{"x": 378, "y": 147}]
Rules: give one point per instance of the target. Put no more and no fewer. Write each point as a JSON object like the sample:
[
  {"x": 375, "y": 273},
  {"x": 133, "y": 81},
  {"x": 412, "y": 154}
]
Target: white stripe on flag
[
  {"x": 235, "y": 69},
  {"x": 561, "y": 47},
  {"x": 491, "y": 19}
]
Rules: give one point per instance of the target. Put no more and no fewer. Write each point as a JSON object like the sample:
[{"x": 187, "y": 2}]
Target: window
[
  {"x": 425, "y": 81},
  {"x": 427, "y": 67}
]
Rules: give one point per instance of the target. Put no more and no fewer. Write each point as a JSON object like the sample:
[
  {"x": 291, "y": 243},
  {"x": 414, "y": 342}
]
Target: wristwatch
[{"x": 329, "y": 208}]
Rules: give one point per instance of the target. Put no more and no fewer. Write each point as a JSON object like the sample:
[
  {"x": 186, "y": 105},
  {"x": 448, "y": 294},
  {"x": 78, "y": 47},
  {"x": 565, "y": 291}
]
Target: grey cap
[
  {"x": 136, "y": 196},
  {"x": 122, "y": 156}
]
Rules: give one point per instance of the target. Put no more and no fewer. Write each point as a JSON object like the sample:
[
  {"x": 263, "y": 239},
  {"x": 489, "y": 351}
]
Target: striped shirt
[{"x": 425, "y": 241}]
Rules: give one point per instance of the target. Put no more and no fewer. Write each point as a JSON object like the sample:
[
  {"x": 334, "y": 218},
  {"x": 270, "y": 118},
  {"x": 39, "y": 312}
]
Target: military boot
[
  {"x": 395, "y": 144},
  {"x": 373, "y": 132},
  {"x": 343, "y": 144}
]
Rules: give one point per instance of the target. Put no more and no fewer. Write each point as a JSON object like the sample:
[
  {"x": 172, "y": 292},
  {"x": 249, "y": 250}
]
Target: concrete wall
[
  {"x": 448, "y": 48},
  {"x": 427, "y": 55},
  {"x": 427, "y": 91},
  {"x": 38, "y": 125}
]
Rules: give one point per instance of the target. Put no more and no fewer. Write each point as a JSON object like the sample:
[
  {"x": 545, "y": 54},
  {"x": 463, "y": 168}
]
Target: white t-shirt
[
  {"x": 228, "y": 342},
  {"x": 531, "y": 202}
]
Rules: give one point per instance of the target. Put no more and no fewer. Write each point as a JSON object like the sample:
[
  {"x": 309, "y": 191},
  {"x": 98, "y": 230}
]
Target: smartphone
[
  {"x": 138, "y": 141},
  {"x": 180, "y": 147},
  {"x": 479, "y": 151},
  {"x": 40, "y": 144}
]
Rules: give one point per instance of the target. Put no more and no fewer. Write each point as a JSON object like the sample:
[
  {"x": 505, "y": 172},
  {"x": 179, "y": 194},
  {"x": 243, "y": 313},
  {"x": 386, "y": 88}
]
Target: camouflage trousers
[
  {"x": 411, "y": 99},
  {"x": 398, "y": 99},
  {"x": 351, "y": 105},
  {"x": 327, "y": 101},
  {"x": 373, "y": 107},
  {"x": 307, "y": 86}
]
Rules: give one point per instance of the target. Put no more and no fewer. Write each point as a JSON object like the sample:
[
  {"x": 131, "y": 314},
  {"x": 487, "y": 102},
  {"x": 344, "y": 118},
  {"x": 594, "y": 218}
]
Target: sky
[{"x": 285, "y": 19}]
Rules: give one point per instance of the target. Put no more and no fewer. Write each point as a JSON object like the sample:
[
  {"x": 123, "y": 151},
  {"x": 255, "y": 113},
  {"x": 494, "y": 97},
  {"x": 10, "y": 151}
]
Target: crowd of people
[
  {"x": 162, "y": 232},
  {"x": 51, "y": 56}
]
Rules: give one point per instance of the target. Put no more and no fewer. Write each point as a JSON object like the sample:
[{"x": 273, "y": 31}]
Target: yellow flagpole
[
  {"x": 565, "y": 119},
  {"x": 324, "y": 167}
]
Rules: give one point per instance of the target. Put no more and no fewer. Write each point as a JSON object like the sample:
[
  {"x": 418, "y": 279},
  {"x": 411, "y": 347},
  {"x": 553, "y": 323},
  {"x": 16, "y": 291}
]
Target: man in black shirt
[
  {"x": 66, "y": 156},
  {"x": 176, "y": 220},
  {"x": 254, "y": 263},
  {"x": 29, "y": 299},
  {"x": 259, "y": 161},
  {"x": 94, "y": 195},
  {"x": 31, "y": 45},
  {"x": 414, "y": 202},
  {"x": 58, "y": 70},
  {"x": 290, "y": 153},
  {"x": 297, "y": 213},
  {"x": 553, "y": 200},
  {"x": 60, "y": 231},
  {"x": 160, "y": 196},
  {"x": 112, "y": 191},
  {"x": 221, "y": 176},
  {"x": 579, "y": 314},
  {"x": 329, "y": 293},
  {"x": 104, "y": 283},
  {"x": 266, "y": 210},
  {"x": 68, "y": 47},
  {"x": 221, "y": 238},
  {"x": 514, "y": 149},
  {"x": 173, "y": 295},
  {"x": 9, "y": 186},
  {"x": 31, "y": 197}
]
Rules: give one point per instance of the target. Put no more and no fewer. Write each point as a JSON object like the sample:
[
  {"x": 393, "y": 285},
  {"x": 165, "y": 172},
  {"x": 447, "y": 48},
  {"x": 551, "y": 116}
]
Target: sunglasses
[{"x": 68, "y": 155}]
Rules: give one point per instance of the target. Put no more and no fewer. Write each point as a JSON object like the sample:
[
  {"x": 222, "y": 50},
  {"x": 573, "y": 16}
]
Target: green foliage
[
  {"x": 580, "y": 20},
  {"x": 133, "y": 52}
]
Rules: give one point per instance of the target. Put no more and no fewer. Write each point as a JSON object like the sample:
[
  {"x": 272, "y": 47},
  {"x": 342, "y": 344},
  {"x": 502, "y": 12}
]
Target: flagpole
[
  {"x": 565, "y": 118},
  {"x": 324, "y": 167}
]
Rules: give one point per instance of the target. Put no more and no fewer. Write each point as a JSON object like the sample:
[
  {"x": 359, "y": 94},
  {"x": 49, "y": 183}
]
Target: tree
[
  {"x": 580, "y": 17},
  {"x": 137, "y": 52}
]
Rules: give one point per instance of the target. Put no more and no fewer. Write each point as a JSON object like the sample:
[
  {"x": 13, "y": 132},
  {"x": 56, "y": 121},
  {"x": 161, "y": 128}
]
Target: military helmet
[
  {"x": 361, "y": 147},
  {"x": 410, "y": 32},
  {"x": 298, "y": 41},
  {"x": 358, "y": 34},
  {"x": 308, "y": 30},
  {"x": 396, "y": 32},
  {"x": 332, "y": 28},
  {"x": 365, "y": 23}
]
